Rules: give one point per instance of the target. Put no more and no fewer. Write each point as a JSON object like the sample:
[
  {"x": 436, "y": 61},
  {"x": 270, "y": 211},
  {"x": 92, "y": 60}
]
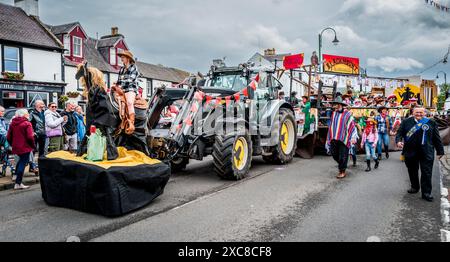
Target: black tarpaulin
[{"x": 110, "y": 189}]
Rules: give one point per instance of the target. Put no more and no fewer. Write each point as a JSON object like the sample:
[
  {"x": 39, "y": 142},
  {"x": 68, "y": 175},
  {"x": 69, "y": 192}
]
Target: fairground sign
[{"x": 341, "y": 65}]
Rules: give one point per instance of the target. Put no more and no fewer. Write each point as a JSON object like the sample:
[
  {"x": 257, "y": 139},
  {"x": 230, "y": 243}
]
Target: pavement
[
  {"x": 300, "y": 202},
  {"x": 6, "y": 182},
  {"x": 445, "y": 198}
]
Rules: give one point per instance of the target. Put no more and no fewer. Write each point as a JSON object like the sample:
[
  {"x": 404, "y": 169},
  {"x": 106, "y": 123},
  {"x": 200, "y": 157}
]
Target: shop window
[
  {"x": 32, "y": 97},
  {"x": 77, "y": 47},
  {"x": 11, "y": 59}
]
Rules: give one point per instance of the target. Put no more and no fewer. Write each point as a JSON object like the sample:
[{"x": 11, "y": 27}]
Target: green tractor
[{"x": 223, "y": 116}]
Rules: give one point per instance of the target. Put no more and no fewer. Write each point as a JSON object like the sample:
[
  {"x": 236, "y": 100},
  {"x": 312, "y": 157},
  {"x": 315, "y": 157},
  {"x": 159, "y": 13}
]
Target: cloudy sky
[{"x": 392, "y": 38}]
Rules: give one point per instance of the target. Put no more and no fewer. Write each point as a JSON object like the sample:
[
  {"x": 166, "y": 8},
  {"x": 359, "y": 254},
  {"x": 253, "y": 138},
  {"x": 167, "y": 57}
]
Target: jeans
[
  {"x": 383, "y": 139},
  {"x": 370, "y": 151},
  {"x": 20, "y": 168}
]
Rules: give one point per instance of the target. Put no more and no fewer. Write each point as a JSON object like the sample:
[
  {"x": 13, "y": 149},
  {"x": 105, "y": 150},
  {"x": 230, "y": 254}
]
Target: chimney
[
  {"x": 269, "y": 52},
  {"x": 31, "y": 7},
  {"x": 114, "y": 31}
]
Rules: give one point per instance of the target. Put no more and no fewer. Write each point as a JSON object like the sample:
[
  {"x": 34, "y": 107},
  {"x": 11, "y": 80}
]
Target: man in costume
[
  {"x": 419, "y": 137},
  {"x": 342, "y": 134}
]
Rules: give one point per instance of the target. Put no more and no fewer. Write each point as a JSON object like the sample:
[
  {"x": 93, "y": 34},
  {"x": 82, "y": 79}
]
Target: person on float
[{"x": 128, "y": 82}]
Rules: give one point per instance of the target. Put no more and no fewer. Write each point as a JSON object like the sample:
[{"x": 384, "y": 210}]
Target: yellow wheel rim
[
  {"x": 240, "y": 153},
  {"x": 286, "y": 137}
]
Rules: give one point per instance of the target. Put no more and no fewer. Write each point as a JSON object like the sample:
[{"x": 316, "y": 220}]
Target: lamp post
[
  {"x": 445, "y": 76},
  {"x": 335, "y": 42}
]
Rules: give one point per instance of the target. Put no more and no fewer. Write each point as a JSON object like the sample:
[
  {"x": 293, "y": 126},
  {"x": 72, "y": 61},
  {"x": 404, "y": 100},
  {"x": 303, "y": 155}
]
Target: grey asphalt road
[
  {"x": 302, "y": 202},
  {"x": 299, "y": 202}
]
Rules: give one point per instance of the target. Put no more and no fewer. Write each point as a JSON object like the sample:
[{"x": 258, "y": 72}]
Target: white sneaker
[
  {"x": 14, "y": 178},
  {"x": 20, "y": 187}
]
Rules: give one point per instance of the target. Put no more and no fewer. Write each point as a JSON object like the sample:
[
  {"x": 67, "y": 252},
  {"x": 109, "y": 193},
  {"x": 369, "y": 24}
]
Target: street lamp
[
  {"x": 445, "y": 76},
  {"x": 335, "y": 41}
]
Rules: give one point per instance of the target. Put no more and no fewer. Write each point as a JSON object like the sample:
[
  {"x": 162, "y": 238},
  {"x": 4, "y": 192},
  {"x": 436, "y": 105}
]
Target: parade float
[{"x": 112, "y": 174}]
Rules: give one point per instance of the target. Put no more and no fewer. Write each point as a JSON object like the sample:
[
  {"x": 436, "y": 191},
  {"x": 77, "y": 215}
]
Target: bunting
[
  {"x": 438, "y": 6},
  {"x": 202, "y": 98}
]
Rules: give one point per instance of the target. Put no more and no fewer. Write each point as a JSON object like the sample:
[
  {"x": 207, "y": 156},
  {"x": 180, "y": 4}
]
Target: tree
[{"x": 442, "y": 97}]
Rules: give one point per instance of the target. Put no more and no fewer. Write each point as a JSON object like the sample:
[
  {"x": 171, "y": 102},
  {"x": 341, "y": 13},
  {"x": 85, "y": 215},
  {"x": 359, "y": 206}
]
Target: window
[
  {"x": 112, "y": 56},
  {"x": 77, "y": 47},
  {"x": 149, "y": 88},
  {"x": 119, "y": 50},
  {"x": 12, "y": 59},
  {"x": 79, "y": 87},
  {"x": 67, "y": 44},
  {"x": 106, "y": 78},
  {"x": 34, "y": 96}
]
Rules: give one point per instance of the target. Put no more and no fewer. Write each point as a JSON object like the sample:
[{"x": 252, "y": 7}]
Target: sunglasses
[{"x": 53, "y": 106}]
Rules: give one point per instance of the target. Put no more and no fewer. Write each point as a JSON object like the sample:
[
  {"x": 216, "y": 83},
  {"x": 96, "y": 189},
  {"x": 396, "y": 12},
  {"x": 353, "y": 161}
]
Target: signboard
[
  {"x": 293, "y": 61},
  {"x": 22, "y": 87},
  {"x": 407, "y": 92},
  {"x": 341, "y": 65}
]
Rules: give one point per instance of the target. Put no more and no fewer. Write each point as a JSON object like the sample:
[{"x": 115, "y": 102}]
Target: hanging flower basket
[
  {"x": 13, "y": 76},
  {"x": 73, "y": 94}
]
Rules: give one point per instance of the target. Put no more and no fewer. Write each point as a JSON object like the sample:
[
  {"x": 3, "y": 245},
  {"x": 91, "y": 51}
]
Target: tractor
[{"x": 221, "y": 116}]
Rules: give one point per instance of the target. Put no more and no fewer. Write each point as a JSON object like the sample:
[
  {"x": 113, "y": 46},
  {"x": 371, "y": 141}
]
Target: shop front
[{"x": 19, "y": 94}]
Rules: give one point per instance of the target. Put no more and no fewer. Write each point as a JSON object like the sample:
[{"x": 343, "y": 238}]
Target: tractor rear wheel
[
  {"x": 232, "y": 156},
  {"x": 283, "y": 153}
]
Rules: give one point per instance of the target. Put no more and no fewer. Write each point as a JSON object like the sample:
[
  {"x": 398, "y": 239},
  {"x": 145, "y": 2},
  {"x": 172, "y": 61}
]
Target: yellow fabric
[{"x": 126, "y": 159}]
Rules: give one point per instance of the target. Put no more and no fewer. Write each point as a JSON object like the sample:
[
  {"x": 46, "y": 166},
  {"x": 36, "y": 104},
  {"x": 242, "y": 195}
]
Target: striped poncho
[{"x": 342, "y": 128}]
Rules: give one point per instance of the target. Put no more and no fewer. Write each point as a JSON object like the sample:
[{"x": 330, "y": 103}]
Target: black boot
[
  {"x": 377, "y": 163},
  {"x": 380, "y": 157},
  {"x": 369, "y": 168},
  {"x": 387, "y": 153},
  {"x": 354, "y": 161}
]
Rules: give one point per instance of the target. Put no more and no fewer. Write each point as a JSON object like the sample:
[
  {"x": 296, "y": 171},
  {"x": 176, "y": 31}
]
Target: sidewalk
[
  {"x": 7, "y": 184},
  {"x": 445, "y": 206}
]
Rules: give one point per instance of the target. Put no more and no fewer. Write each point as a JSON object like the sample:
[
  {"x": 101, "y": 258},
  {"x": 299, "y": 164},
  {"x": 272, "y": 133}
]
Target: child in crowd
[{"x": 369, "y": 142}]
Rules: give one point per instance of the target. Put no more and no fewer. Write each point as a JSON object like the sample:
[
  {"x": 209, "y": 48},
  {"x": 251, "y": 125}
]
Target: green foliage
[
  {"x": 442, "y": 97},
  {"x": 13, "y": 76}
]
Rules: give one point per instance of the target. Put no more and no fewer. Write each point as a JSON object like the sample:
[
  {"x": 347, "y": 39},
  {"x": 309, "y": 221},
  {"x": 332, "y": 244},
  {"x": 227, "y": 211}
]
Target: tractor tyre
[
  {"x": 284, "y": 152},
  {"x": 232, "y": 156}
]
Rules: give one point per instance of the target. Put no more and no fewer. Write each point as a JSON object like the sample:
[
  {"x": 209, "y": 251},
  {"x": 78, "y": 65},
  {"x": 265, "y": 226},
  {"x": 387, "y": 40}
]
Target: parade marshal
[{"x": 419, "y": 138}]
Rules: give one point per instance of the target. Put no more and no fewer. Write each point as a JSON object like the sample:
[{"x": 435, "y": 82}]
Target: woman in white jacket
[{"x": 54, "y": 123}]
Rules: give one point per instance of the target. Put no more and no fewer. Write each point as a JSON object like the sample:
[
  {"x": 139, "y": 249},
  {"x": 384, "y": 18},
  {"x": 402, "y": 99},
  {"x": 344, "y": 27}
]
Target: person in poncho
[{"x": 342, "y": 134}]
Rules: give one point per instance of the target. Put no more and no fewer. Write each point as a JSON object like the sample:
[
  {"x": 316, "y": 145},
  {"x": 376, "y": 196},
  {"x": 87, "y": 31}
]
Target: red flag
[
  {"x": 188, "y": 121},
  {"x": 228, "y": 100},
  {"x": 254, "y": 85},
  {"x": 208, "y": 100},
  {"x": 237, "y": 97},
  {"x": 293, "y": 61},
  {"x": 257, "y": 78},
  {"x": 245, "y": 92},
  {"x": 194, "y": 108}
]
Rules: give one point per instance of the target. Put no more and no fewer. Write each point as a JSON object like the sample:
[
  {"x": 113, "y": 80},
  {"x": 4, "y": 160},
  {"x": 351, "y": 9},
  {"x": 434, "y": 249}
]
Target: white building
[{"x": 30, "y": 57}]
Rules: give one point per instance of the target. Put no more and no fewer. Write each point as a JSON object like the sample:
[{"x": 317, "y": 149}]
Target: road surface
[{"x": 302, "y": 201}]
